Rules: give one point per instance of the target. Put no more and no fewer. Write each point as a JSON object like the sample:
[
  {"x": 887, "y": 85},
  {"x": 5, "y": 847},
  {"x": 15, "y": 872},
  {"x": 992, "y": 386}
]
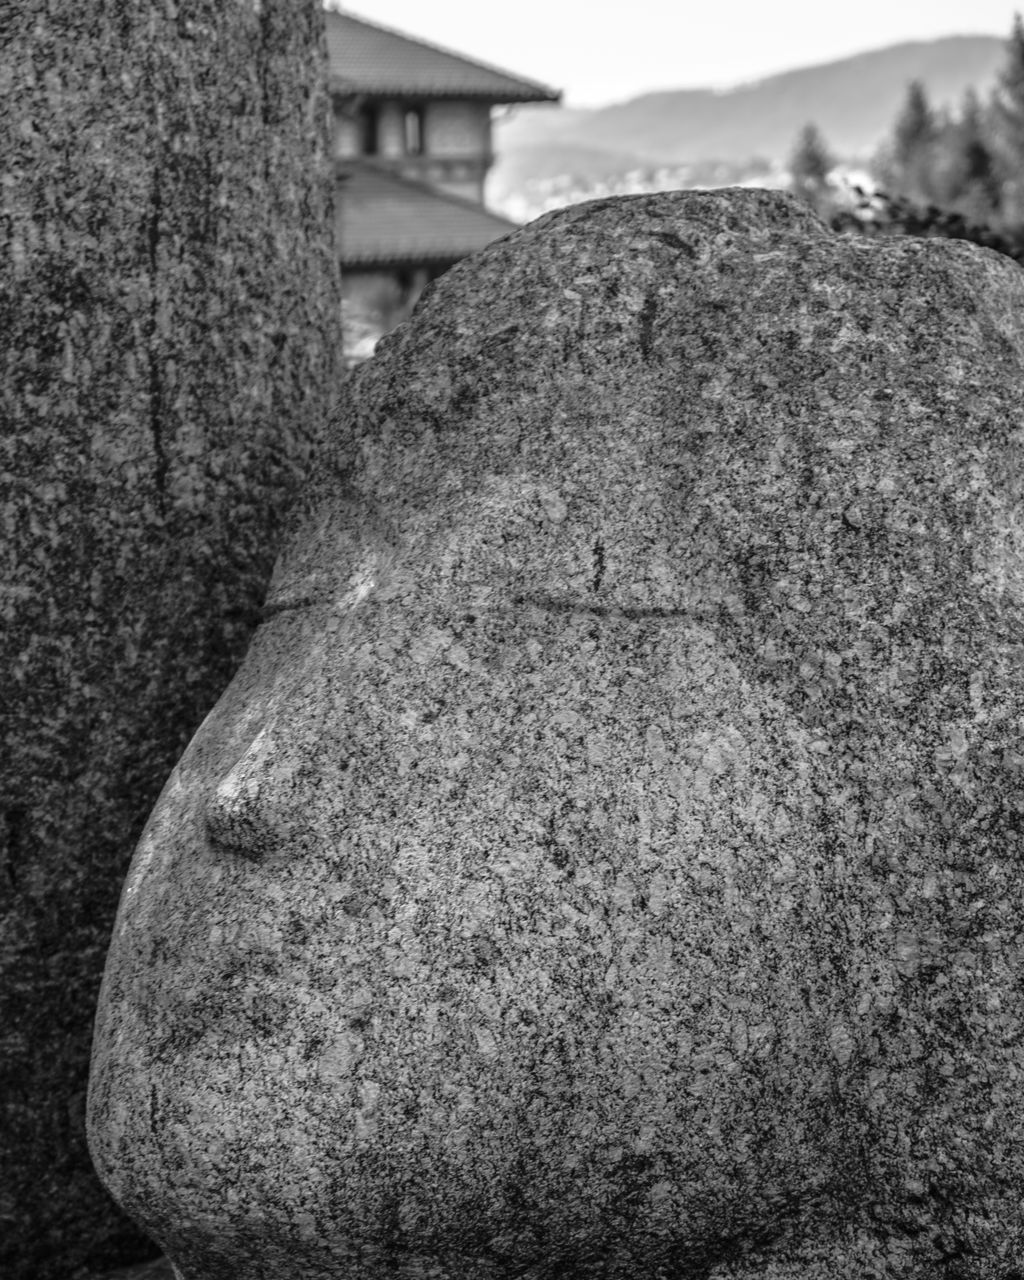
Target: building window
[
  {"x": 414, "y": 131},
  {"x": 368, "y": 142}
]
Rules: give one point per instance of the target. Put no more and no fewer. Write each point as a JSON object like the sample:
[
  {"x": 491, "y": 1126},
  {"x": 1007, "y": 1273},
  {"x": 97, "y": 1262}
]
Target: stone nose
[{"x": 255, "y": 811}]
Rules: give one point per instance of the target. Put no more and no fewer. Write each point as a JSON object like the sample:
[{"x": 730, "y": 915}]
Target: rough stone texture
[
  {"x": 169, "y": 344},
  {"x": 159, "y": 1269},
  {"x": 608, "y": 860}
]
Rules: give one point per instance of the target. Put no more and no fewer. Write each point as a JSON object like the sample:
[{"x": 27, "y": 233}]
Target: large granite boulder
[{"x": 608, "y": 861}]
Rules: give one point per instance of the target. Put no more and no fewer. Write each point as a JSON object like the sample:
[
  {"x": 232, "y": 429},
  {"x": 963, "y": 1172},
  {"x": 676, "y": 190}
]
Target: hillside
[{"x": 853, "y": 101}]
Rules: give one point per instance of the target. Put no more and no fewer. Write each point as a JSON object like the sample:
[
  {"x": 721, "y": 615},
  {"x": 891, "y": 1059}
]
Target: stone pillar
[{"x": 170, "y": 313}]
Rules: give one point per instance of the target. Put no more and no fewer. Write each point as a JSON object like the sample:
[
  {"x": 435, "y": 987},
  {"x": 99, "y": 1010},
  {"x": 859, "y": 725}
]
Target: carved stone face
[{"x": 606, "y": 861}]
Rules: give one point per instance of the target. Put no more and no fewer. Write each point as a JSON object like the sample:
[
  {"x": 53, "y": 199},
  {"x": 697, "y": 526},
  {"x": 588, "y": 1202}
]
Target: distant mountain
[{"x": 853, "y": 102}]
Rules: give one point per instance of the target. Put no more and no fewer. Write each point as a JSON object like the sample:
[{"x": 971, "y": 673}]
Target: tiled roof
[
  {"x": 383, "y": 218},
  {"x": 366, "y": 58}
]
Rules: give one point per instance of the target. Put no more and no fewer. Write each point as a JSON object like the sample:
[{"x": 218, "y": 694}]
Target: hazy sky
[{"x": 600, "y": 51}]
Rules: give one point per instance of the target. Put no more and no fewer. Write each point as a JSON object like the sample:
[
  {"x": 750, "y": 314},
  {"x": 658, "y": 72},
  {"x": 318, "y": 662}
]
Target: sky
[{"x": 602, "y": 51}]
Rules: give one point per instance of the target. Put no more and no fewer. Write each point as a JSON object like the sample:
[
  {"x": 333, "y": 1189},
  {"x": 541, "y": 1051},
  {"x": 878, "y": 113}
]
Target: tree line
[{"x": 956, "y": 173}]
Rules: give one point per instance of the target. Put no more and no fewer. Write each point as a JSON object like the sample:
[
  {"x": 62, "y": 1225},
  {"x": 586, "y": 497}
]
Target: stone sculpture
[{"x": 608, "y": 860}]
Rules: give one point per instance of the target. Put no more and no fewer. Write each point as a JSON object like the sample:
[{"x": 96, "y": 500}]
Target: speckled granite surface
[
  {"x": 608, "y": 861},
  {"x": 160, "y": 1269}
]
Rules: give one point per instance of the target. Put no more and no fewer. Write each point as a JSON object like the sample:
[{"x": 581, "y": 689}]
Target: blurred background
[{"x": 921, "y": 102}]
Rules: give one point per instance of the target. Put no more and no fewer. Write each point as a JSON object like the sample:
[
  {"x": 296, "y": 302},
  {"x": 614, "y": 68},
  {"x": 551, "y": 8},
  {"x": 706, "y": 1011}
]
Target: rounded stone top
[{"x": 577, "y": 402}]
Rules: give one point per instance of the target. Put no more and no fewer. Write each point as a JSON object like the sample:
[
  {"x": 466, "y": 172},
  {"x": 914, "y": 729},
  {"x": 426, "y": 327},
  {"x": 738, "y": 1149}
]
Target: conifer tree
[
  {"x": 1008, "y": 123},
  {"x": 906, "y": 164},
  {"x": 809, "y": 167},
  {"x": 970, "y": 182}
]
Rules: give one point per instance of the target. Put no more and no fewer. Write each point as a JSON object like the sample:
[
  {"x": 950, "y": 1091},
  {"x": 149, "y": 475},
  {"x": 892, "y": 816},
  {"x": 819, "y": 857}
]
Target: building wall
[
  {"x": 458, "y": 178},
  {"x": 376, "y": 299},
  {"x": 391, "y": 130},
  {"x": 456, "y": 137},
  {"x": 456, "y": 143},
  {"x": 456, "y": 128},
  {"x": 347, "y": 140},
  {"x": 459, "y": 134}
]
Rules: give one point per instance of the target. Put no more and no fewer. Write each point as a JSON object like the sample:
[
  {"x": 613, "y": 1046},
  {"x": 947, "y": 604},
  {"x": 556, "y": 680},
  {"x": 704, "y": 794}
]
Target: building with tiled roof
[
  {"x": 412, "y": 144},
  {"x": 365, "y": 57},
  {"x": 384, "y": 218}
]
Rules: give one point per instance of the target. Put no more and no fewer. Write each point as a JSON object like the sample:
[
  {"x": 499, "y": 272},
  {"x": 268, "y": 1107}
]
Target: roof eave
[
  {"x": 405, "y": 259},
  {"x": 340, "y": 86}
]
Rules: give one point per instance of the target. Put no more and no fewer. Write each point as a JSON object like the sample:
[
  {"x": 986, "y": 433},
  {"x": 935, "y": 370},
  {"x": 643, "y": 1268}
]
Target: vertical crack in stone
[
  {"x": 598, "y": 564},
  {"x": 12, "y": 842},
  {"x": 647, "y": 314},
  {"x": 157, "y": 325}
]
